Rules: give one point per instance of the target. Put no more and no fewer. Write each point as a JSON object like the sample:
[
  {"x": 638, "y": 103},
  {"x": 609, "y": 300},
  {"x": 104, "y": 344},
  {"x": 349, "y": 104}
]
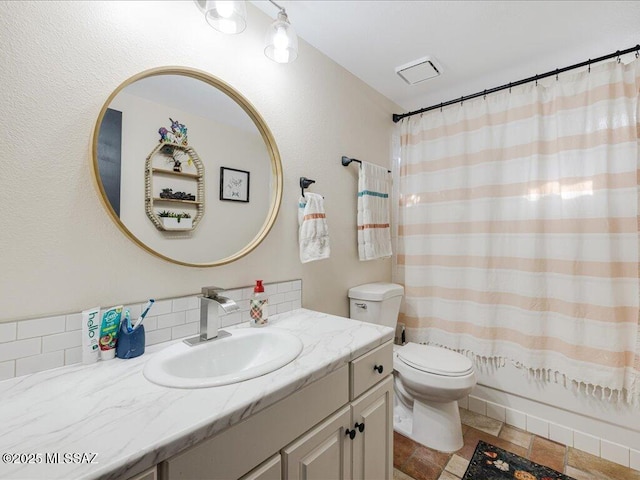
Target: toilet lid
[{"x": 437, "y": 360}]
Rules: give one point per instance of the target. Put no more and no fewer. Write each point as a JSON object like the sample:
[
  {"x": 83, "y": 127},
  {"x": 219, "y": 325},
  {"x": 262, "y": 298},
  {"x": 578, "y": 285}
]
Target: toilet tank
[{"x": 376, "y": 303}]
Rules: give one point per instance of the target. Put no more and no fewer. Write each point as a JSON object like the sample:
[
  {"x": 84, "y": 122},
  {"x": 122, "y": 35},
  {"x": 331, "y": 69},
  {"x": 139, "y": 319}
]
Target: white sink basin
[{"x": 247, "y": 353}]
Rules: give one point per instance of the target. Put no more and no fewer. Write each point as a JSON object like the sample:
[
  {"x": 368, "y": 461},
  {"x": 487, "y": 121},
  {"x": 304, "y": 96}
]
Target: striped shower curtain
[{"x": 518, "y": 229}]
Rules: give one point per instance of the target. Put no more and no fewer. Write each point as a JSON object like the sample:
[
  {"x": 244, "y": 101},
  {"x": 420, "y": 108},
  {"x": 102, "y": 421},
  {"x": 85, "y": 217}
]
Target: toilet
[{"x": 428, "y": 381}]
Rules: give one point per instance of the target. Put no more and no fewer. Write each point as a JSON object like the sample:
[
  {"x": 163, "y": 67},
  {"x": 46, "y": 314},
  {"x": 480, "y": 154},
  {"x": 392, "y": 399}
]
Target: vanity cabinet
[
  {"x": 339, "y": 427},
  {"x": 361, "y": 450}
]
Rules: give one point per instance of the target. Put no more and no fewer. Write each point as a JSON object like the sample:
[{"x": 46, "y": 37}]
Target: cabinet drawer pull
[
  {"x": 359, "y": 426},
  {"x": 378, "y": 368},
  {"x": 350, "y": 433}
]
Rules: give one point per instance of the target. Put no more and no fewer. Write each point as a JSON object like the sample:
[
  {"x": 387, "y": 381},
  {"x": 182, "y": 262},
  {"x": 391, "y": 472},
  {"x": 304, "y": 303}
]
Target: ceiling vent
[{"x": 419, "y": 70}]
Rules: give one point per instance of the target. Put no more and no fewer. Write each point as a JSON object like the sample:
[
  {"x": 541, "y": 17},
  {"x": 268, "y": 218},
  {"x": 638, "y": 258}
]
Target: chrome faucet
[{"x": 210, "y": 301}]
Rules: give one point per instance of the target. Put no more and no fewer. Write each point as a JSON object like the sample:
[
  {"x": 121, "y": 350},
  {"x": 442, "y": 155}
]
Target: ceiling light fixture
[
  {"x": 226, "y": 16},
  {"x": 281, "y": 40}
]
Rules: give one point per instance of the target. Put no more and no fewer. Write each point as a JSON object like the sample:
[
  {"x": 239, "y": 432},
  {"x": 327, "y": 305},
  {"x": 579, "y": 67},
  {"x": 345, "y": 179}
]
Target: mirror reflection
[{"x": 187, "y": 167}]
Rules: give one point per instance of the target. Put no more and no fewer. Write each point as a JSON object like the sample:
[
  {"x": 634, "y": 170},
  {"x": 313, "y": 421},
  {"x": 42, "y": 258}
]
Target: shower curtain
[{"x": 517, "y": 228}]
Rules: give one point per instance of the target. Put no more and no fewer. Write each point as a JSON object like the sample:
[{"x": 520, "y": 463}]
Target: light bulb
[
  {"x": 225, "y": 8},
  {"x": 280, "y": 39},
  {"x": 226, "y": 16}
]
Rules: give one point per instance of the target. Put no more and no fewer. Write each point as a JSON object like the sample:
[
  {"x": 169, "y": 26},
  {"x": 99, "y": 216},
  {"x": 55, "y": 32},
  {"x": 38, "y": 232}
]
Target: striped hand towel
[
  {"x": 374, "y": 232},
  {"x": 313, "y": 234}
]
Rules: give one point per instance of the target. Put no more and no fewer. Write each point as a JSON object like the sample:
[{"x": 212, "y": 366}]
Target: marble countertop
[{"x": 110, "y": 415}]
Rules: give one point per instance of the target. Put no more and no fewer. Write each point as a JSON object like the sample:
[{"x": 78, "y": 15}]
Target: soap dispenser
[{"x": 259, "y": 310}]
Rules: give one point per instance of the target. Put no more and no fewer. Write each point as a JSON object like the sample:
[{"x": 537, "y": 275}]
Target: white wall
[{"x": 61, "y": 60}]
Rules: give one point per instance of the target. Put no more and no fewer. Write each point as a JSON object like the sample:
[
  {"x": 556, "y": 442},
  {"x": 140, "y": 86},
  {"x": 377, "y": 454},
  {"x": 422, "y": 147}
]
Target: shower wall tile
[
  {"x": 561, "y": 434},
  {"x": 477, "y": 405},
  {"x": 586, "y": 443},
  {"x": 496, "y": 411},
  {"x": 38, "y": 344},
  {"x": 614, "y": 452},
  {"x": 515, "y": 418},
  {"x": 538, "y": 426},
  {"x": 634, "y": 459}
]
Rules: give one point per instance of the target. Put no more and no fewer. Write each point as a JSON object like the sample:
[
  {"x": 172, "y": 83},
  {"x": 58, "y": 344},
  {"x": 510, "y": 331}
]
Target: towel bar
[
  {"x": 305, "y": 183},
  {"x": 346, "y": 161}
]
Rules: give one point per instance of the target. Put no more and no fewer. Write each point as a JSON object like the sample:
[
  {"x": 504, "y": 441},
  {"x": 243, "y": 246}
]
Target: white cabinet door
[
  {"x": 269, "y": 470},
  {"x": 323, "y": 453},
  {"x": 372, "y": 417}
]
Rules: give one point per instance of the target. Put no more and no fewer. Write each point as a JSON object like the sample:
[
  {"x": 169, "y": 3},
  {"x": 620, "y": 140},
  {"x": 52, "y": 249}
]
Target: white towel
[
  {"x": 313, "y": 234},
  {"x": 374, "y": 231}
]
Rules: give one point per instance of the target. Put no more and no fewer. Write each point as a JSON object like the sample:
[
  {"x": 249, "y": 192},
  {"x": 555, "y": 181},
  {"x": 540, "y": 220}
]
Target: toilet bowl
[{"x": 428, "y": 381}]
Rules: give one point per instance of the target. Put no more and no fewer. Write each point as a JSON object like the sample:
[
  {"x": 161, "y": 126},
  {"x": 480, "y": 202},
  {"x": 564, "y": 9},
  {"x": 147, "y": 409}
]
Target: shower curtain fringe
[{"x": 631, "y": 396}]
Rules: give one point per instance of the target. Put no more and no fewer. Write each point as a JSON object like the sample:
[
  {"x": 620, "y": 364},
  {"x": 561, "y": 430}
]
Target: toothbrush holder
[{"x": 130, "y": 344}]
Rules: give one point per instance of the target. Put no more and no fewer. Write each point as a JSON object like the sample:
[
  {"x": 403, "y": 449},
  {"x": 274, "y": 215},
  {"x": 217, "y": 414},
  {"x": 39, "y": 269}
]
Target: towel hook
[{"x": 305, "y": 183}]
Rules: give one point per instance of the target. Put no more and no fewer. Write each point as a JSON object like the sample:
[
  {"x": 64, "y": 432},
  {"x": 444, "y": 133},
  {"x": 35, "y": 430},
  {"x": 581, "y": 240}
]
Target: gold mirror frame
[{"x": 267, "y": 137}]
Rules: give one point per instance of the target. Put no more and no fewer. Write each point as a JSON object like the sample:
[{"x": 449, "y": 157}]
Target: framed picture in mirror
[{"x": 234, "y": 185}]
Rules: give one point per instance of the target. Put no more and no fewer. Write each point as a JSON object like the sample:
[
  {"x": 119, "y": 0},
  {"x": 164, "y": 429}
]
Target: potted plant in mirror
[{"x": 176, "y": 221}]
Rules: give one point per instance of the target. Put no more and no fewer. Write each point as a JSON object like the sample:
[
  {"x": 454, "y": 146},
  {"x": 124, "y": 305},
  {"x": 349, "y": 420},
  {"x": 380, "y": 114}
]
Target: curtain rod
[{"x": 399, "y": 116}]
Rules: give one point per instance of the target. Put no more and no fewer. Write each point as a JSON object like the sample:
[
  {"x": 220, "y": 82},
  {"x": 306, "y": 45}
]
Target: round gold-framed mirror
[{"x": 195, "y": 209}]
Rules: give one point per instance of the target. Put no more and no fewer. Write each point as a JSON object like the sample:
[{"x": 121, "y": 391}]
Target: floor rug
[{"x": 492, "y": 463}]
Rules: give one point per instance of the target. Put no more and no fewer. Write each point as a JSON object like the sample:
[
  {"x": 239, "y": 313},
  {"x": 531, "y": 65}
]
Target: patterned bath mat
[{"x": 492, "y": 463}]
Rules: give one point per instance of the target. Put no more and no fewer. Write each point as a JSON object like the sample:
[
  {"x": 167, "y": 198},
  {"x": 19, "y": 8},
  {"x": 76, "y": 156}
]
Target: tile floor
[{"x": 414, "y": 461}]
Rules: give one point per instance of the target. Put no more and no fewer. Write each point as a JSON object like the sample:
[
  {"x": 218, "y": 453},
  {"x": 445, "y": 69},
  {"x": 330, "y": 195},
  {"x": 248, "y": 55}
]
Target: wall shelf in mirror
[{"x": 158, "y": 190}]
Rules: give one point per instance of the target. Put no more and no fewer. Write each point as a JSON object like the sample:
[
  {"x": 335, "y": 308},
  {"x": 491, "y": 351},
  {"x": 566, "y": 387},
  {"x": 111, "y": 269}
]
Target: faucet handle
[{"x": 211, "y": 292}]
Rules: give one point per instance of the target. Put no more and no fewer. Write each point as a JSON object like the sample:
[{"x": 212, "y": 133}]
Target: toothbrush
[
  {"x": 143, "y": 314},
  {"x": 127, "y": 321}
]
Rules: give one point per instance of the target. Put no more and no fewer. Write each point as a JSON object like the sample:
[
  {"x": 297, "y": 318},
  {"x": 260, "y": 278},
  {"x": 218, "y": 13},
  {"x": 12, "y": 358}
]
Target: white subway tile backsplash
[
  {"x": 7, "y": 332},
  {"x": 234, "y": 294},
  {"x": 192, "y": 316},
  {"x": 150, "y": 323},
  {"x": 560, "y": 434},
  {"x": 73, "y": 355},
  {"x": 40, "y": 327},
  {"x": 283, "y": 307},
  {"x": 73, "y": 322},
  {"x": 20, "y": 348},
  {"x": 38, "y": 363},
  {"x": 157, "y": 336},
  {"x": 61, "y": 341},
  {"x": 161, "y": 307},
  {"x": 614, "y": 452},
  {"x": 7, "y": 370},
  {"x": 586, "y": 443},
  {"x": 231, "y": 319},
  {"x": 186, "y": 330},
  {"x": 291, "y": 296},
  {"x": 38, "y": 344},
  {"x": 171, "y": 320},
  {"x": 275, "y": 299},
  {"x": 186, "y": 303}
]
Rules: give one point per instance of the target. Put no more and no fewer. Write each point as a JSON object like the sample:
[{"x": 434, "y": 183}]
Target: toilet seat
[{"x": 434, "y": 360}]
